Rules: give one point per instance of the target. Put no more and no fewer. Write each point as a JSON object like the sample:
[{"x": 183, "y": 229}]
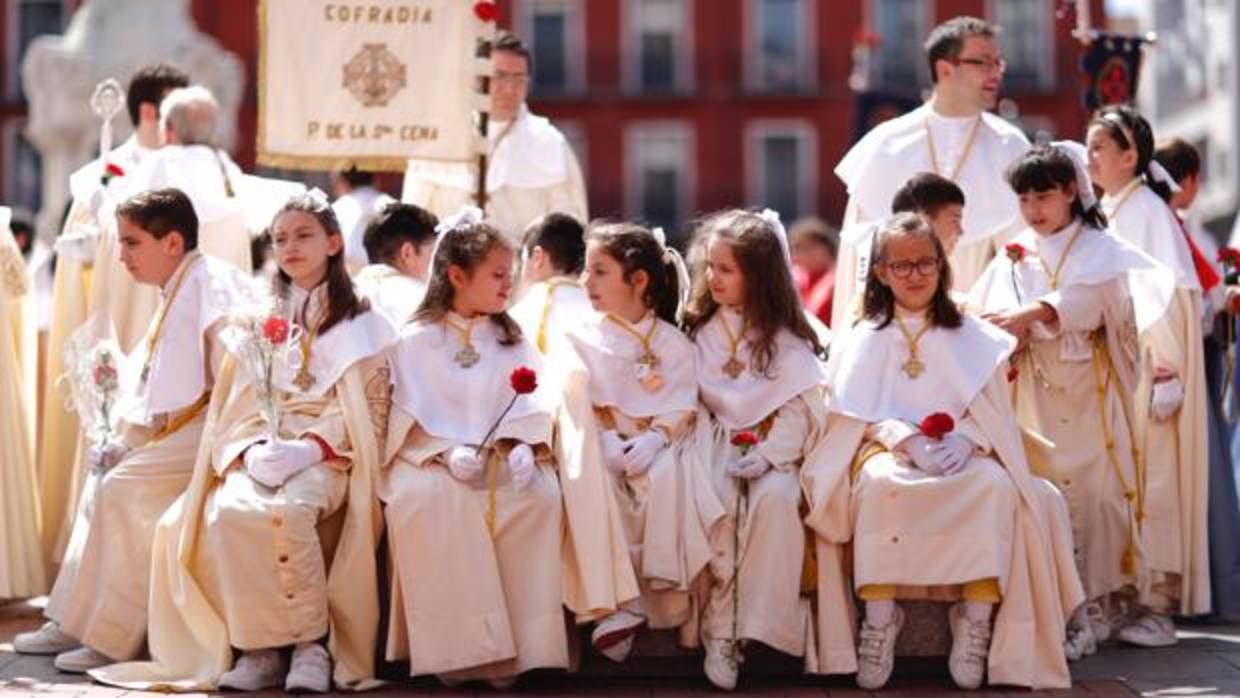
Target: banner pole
[{"x": 483, "y": 52}]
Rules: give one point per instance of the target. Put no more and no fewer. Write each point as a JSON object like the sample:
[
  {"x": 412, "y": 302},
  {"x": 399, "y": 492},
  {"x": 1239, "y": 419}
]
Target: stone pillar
[{"x": 112, "y": 38}]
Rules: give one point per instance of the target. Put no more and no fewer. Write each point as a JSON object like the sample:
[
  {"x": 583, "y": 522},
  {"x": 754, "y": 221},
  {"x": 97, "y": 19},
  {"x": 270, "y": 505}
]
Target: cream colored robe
[
  {"x": 470, "y": 600},
  {"x": 193, "y": 626},
  {"x": 772, "y": 538},
  {"x": 22, "y": 571},
  {"x": 1174, "y": 453},
  {"x": 1066, "y": 420},
  {"x": 1039, "y": 587},
  {"x": 648, "y": 525}
]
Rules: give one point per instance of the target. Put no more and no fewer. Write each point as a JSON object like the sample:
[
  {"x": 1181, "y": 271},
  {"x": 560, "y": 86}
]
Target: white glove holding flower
[
  {"x": 103, "y": 457},
  {"x": 464, "y": 463},
  {"x": 521, "y": 465},
  {"x": 953, "y": 453},
  {"x": 273, "y": 463},
  {"x": 641, "y": 450},
  {"x": 613, "y": 451},
  {"x": 1166, "y": 399},
  {"x": 921, "y": 450},
  {"x": 749, "y": 467}
]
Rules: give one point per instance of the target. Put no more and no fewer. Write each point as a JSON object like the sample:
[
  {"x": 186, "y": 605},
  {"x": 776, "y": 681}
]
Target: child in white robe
[
  {"x": 758, "y": 372},
  {"x": 1077, "y": 299},
  {"x": 551, "y": 298},
  {"x": 273, "y": 544},
  {"x": 1171, "y": 395},
  {"x": 474, "y": 517},
  {"x": 99, "y": 600},
  {"x": 399, "y": 241},
  {"x": 937, "y": 199},
  {"x": 915, "y": 359},
  {"x": 643, "y": 395}
]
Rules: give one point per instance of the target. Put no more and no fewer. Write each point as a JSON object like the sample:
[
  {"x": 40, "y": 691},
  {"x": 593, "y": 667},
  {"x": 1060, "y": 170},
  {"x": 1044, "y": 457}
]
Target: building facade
[{"x": 679, "y": 107}]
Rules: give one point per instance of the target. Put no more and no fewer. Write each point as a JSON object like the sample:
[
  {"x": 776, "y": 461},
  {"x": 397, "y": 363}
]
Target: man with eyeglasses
[
  {"x": 952, "y": 135},
  {"x": 531, "y": 170}
]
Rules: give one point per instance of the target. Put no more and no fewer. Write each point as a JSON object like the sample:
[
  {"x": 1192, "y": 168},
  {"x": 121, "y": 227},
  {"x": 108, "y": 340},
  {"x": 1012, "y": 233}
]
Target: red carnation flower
[
  {"x": 1229, "y": 256},
  {"x": 1015, "y": 252},
  {"x": 486, "y": 11},
  {"x": 744, "y": 440},
  {"x": 111, "y": 170},
  {"x": 524, "y": 380},
  {"x": 275, "y": 329},
  {"x": 937, "y": 425},
  {"x": 1012, "y": 374}
]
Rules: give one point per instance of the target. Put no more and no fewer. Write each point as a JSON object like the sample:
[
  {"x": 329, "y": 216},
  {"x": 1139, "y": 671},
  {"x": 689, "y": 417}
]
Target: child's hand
[
  {"x": 749, "y": 467},
  {"x": 613, "y": 451},
  {"x": 920, "y": 450},
  {"x": 953, "y": 452},
  {"x": 464, "y": 463},
  {"x": 521, "y": 465},
  {"x": 640, "y": 451},
  {"x": 273, "y": 463}
]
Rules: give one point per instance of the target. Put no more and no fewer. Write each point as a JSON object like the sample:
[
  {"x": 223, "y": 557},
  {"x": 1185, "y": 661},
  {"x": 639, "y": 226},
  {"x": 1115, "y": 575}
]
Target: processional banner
[{"x": 369, "y": 83}]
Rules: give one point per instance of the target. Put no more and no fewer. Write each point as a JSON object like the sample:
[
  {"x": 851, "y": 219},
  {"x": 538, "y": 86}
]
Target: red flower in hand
[
  {"x": 744, "y": 440},
  {"x": 111, "y": 170},
  {"x": 524, "y": 380},
  {"x": 1229, "y": 256},
  {"x": 1015, "y": 252},
  {"x": 486, "y": 11},
  {"x": 275, "y": 329},
  {"x": 937, "y": 425},
  {"x": 1012, "y": 374}
]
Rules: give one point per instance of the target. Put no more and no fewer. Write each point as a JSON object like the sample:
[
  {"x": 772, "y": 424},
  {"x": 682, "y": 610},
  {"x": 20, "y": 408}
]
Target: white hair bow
[
  {"x": 318, "y": 197},
  {"x": 1160, "y": 174},
  {"x": 672, "y": 256},
  {"x": 466, "y": 215},
  {"x": 1079, "y": 155},
  {"x": 771, "y": 217}
]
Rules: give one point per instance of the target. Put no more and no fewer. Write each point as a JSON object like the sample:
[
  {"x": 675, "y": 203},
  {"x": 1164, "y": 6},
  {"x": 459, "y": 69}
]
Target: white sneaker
[
  {"x": 613, "y": 636},
  {"x": 722, "y": 665},
  {"x": 49, "y": 639},
  {"x": 970, "y": 648},
  {"x": 80, "y": 660},
  {"x": 254, "y": 671},
  {"x": 876, "y": 652},
  {"x": 1149, "y": 630},
  {"x": 1103, "y": 623},
  {"x": 1080, "y": 641},
  {"x": 311, "y": 670}
]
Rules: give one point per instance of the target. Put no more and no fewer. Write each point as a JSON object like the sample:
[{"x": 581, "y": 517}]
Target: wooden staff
[{"x": 483, "y": 52}]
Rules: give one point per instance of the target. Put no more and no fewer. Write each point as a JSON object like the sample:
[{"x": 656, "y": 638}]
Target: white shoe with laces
[
  {"x": 255, "y": 670},
  {"x": 613, "y": 635},
  {"x": 81, "y": 660},
  {"x": 48, "y": 639},
  {"x": 970, "y": 648},
  {"x": 876, "y": 652},
  {"x": 1149, "y": 630},
  {"x": 310, "y": 670},
  {"x": 722, "y": 665}
]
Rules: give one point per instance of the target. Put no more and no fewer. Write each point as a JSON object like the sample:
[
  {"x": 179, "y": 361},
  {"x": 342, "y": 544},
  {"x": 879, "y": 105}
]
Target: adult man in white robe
[
  {"x": 952, "y": 135},
  {"x": 191, "y": 162},
  {"x": 531, "y": 170},
  {"x": 99, "y": 600},
  {"x": 90, "y": 279}
]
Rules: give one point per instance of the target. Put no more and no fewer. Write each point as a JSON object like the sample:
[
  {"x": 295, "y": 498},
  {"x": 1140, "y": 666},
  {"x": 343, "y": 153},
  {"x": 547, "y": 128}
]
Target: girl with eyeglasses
[
  {"x": 1082, "y": 303},
  {"x": 1171, "y": 393},
  {"x": 910, "y": 489}
]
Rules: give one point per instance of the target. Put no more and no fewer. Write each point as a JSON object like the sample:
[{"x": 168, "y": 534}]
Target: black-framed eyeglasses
[
  {"x": 987, "y": 64},
  {"x": 926, "y": 266}
]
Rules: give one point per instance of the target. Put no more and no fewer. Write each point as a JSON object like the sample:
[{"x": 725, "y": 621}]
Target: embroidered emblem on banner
[{"x": 374, "y": 75}]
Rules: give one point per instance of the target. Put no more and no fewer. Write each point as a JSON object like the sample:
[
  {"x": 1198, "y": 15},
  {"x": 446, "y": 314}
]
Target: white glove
[
  {"x": 640, "y": 451},
  {"x": 273, "y": 463},
  {"x": 613, "y": 451},
  {"x": 953, "y": 453},
  {"x": 921, "y": 450},
  {"x": 1166, "y": 399},
  {"x": 464, "y": 463},
  {"x": 749, "y": 467},
  {"x": 103, "y": 457},
  {"x": 521, "y": 465}
]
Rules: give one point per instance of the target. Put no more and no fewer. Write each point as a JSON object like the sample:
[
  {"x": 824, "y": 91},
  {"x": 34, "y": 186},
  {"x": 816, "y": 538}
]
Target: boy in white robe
[
  {"x": 399, "y": 241},
  {"x": 100, "y": 597},
  {"x": 552, "y": 299}
]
